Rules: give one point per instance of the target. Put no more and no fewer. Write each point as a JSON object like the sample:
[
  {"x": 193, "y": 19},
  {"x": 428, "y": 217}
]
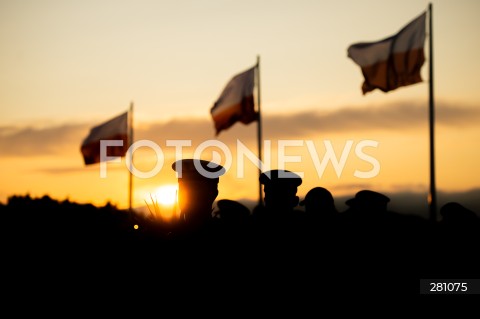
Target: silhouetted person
[
  {"x": 366, "y": 219},
  {"x": 278, "y": 217},
  {"x": 367, "y": 206},
  {"x": 459, "y": 224},
  {"x": 454, "y": 213},
  {"x": 232, "y": 212},
  {"x": 197, "y": 181},
  {"x": 280, "y": 189},
  {"x": 233, "y": 220},
  {"x": 321, "y": 216},
  {"x": 377, "y": 241},
  {"x": 319, "y": 203},
  {"x": 458, "y": 240}
]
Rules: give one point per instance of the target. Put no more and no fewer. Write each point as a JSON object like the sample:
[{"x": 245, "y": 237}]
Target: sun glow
[
  {"x": 162, "y": 203},
  {"x": 166, "y": 195}
]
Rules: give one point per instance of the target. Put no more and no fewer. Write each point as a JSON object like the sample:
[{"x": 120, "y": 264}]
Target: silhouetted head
[
  {"x": 369, "y": 202},
  {"x": 197, "y": 181},
  {"x": 231, "y": 211},
  {"x": 280, "y": 188},
  {"x": 319, "y": 200},
  {"x": 454, "y": 213}
]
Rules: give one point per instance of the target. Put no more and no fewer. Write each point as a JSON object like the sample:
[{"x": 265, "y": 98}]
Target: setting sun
[{"x": 166, "y": 195}]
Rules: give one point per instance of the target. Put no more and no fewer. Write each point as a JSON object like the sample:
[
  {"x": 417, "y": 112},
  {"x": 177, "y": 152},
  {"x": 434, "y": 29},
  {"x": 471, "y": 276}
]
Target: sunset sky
[{"x": 68, "y": 65}]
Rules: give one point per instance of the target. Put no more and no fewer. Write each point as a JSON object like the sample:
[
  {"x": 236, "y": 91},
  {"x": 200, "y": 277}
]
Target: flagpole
[
  {"x": 432, "y": 198},
  {"x": 130, "y": 142},
  {"x": 259, "y": 133}
]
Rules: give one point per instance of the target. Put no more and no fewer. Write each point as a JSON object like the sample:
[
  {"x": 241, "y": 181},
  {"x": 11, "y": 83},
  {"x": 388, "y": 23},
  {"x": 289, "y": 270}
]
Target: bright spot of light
[{"x": 166, "y": 195}]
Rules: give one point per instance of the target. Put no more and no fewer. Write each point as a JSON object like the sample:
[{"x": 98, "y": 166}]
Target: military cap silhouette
[
  {"x": 197, "y": 169},
  {"x": 197, "y": 181},
  {"x": 368, "y": 200},
  {"x": 280, "y": 189}
]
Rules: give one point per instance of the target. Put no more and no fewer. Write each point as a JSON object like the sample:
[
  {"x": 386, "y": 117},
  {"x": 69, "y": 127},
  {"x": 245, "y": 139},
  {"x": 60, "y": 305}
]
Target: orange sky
[
  {"x": 67, "y": 66},
  {"x": 402, "y": 153}
]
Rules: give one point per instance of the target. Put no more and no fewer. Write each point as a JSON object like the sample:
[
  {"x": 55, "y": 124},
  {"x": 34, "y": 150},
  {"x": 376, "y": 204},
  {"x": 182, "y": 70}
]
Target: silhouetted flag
[
  {"x": 392, "y": 62},
  {"x": 236, "y": 102},
  {"x": 114, "y": 129}
]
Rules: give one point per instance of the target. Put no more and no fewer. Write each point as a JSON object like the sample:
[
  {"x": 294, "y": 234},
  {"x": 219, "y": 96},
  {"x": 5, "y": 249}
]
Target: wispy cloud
[
  {"x": 396, "y": 116},
  {"x": 74, "y": 169},
  {"x": 41, "y": 141},
  {"x": 66, "y": 139}
]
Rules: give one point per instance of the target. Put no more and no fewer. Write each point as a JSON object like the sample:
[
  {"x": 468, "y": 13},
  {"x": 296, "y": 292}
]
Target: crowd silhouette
[{"x": 308, "y": 240}]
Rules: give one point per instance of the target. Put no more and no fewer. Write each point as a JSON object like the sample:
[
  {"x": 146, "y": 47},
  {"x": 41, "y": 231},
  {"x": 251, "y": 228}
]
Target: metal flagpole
[
  {"x": 432, "y": 198},
  {"x": 259, "y": 133},
  {"x": 130, "y": 142}
]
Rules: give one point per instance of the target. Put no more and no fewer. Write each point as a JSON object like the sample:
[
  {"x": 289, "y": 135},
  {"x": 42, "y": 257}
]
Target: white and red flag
[
  {"x": 236, "y": 102},
  {"x": 114, "y": 129},
  {"x": 394, "y": 61}
]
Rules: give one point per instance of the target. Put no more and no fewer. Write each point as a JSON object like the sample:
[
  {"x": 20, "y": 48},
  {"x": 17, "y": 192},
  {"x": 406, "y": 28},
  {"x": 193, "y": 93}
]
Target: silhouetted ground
[{"x": 45, "y": 241}]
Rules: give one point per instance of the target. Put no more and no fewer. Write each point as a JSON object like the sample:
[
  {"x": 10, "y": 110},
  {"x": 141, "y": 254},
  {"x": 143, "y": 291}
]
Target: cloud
[
  {"x": 395, "y": 116},
  {"x": 74, "y": 169},
  {"x": 401, "y": 116},
  {"x": 178, "y": 129},
  {"x": 41, "y": 141},
  {"x": 457, "y": 115}
]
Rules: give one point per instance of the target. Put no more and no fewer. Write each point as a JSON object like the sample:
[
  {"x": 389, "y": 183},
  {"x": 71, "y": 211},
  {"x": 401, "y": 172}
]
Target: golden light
[
  {"x": 166, "y": 195},
  {"x": 162, "y": 203}
]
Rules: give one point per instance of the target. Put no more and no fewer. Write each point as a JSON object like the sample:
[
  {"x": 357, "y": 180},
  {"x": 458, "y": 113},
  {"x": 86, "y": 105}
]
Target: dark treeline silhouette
[{"x": 366, "y": 247}]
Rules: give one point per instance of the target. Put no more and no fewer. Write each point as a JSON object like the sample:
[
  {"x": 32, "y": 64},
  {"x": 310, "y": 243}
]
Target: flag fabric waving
[
  {"x": 236, "y": 102},
  {"x": 114, "y": 129},
  {"x": 394, "y": 61}
]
